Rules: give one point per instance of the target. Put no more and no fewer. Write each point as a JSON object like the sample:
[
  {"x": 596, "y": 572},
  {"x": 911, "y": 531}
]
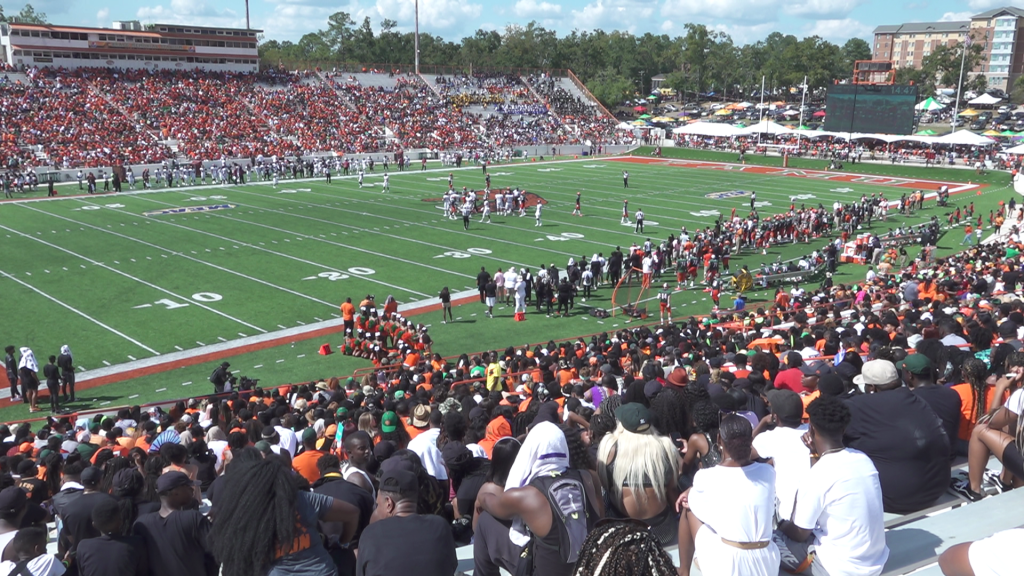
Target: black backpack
[{"x": 568, "y": 499}]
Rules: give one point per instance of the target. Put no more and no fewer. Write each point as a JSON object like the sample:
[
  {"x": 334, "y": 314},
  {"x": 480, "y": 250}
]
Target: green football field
[{"x": 129, "y": 278}]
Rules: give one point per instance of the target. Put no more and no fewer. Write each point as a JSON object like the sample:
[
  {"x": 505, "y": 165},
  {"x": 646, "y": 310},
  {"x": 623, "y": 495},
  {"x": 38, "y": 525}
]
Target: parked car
[
  {"x": 977, "y": 125},
  {"x": 957, "y": 122}
]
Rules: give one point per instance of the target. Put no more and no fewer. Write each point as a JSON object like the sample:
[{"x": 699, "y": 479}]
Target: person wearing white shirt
[
  {"x": 784, "y": 446},
  {"x": 288, "y": 440},
  {"x": 996, "y": 555},
  {"x": 838, "y": 506}
]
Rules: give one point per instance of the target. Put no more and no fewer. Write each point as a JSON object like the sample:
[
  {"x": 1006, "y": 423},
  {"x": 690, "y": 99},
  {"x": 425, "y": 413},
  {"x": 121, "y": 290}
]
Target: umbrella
[
  {"x": 803, "y": 128},
  {"x": 645, "y": 116},
  {"x": 791, "y": 113},
  {"x": 740, "y": 125},
  {"x": 652, "y": 97},
  {"x": 990, "y": 133},
  {"x": 723, "y": 112},
  {"x": 969, "y": 112},
  {"x": 639, "y": 109},
  {"x": 926, "y": 133},
  {"x": 638, "y": 123},
  {"x": 819, "y": 114},
  {"x": 1007, "y": 133},
  {"x": 165, "y": 437}
]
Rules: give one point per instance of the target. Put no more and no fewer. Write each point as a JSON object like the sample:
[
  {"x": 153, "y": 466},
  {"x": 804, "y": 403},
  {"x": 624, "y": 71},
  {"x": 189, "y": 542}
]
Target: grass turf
[{"x": 117, "y": 285}]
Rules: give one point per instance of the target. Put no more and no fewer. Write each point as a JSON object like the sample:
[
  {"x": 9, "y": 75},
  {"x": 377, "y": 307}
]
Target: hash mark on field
[
  {"x": 161, "y": 390},
  {"x": 222, "y": 339},
  {"x": 133, "y": 396},
  {"x": 180, "y": 349},
  {"x": 300, "y": 322},
  {"x": 318, "y": 319},
  {"x": 200, "y": 343},
  {"x": 65, "y": 268},
  {"x": 132, "y": 357},
  {"x": 105, "y": 363},
  {"x": 335, "y": 315},
  {"x": 279, "y": 361},
  {"x": 473, "y": 314},
  {"x": 301, "y": 356},
  {"x": 459, "y": 318},
  {"x": 282, "y": 327},
  {"x": 82, "y": 265},
  {"x": 186, "y": 383},
  {"x": 47, "y": 271},
  {"x": 133, "y": 259},
  {"x": 257, "y": 366},
  {"x": 108, "y": 401},
  {"x": 411, "y": 299},
  {"x": 242, "y": 335},
  {"x": 599, "y": 322}
]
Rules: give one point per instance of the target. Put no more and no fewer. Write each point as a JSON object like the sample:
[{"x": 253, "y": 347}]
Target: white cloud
[
  {"x": 624, "y": 15},
  {"x": 821, "y": 8},
  {"x": 532, "y": 9},
  {"x": 728, "y": 10},
  {"x": 839, "y": 30},
  {"x": 196, "y": 12},
  {"x": 436, "y": 16},
  {"x": 956, "y": 16},
  {"x": 103, "y": 17},
  {"x": 986, "y": 4},
  {"x": 667, "y": 26},
  {"x": 745, "y": 34}
]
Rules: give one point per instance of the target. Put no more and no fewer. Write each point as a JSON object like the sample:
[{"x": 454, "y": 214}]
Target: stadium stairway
[
  {"x": 430, "y": 84},
  {"x": 341, "y": 96},
  {"x": 539, "y": 97}
]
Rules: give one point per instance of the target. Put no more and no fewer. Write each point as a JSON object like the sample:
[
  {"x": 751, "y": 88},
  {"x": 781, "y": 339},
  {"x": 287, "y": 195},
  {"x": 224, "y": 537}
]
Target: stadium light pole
[
  {"x": 416, "y": 38},
  {"x": 247, "y": 27},
  {"x": 803, "y": 97},
  {"x": 760, "y": 115},
  {"x": 960, "y": 81}
]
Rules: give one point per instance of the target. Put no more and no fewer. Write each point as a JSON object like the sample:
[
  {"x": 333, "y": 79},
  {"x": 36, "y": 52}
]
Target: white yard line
[
  {"x": 190, "y": 258},
  {"x": 139, "y": 280},
  {"x": 80, "y": 313}
]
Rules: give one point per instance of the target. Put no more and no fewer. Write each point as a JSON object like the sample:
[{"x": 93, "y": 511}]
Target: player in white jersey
[
  {"x": 275, "y": 178},
  {"x": 361, "y": 173},
  {"x": 467, "y": 211},
  {"x": 537, "y": 214},
  {"x": 387, "y": 185},
  {"x": 486, "y": 215}
]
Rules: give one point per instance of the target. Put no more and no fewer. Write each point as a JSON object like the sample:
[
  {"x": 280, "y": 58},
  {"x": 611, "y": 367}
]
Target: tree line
[
  {"x": 614, "y": 65},
  {"x": 27, "y": 15}
]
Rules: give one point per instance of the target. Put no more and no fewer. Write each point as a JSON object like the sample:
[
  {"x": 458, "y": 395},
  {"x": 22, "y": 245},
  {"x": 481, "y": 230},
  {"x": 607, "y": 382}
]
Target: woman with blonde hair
[
  {"x": 639, "y": 469},
  {"x": 369, "y": 423}
]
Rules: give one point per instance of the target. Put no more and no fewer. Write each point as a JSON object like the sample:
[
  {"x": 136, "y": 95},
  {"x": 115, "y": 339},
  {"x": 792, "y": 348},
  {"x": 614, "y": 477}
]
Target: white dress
[{"x": 737, "y": 504}]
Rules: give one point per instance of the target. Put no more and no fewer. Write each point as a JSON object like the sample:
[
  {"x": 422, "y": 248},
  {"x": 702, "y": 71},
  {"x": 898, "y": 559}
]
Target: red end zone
[{"x": 844, "y": 177}]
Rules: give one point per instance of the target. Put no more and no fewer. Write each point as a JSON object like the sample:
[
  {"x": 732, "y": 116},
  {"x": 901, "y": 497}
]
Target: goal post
[{"x": 628, "y": 295}]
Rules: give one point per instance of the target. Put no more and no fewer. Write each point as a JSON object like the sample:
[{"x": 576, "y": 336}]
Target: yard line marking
[
  {"x": 130, "y": 277},
  {"x": 80, "y": 313},
  {"x": 218, "y": 267},
  {"x": 268, "y": 250}
]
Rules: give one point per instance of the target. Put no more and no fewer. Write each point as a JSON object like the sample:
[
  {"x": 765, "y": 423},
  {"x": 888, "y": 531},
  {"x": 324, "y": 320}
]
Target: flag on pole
[{"x": 968, "y": 41}]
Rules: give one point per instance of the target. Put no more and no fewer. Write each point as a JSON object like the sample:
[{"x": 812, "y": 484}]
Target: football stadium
[{"x": 270, "y": 303}]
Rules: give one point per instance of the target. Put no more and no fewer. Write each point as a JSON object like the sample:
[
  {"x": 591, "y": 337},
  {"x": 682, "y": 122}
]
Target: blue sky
[{"x": 744, "y": 20}]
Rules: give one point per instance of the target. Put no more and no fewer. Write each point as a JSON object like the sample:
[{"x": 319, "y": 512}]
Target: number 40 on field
[{"x": 169, "y": 304}]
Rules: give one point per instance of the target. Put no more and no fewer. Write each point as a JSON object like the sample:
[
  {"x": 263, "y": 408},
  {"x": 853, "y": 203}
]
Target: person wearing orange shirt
[
  {"x": 348, "y": 314},
  {"x": 305, "y": 462},
  {"x": 419, "y": 422}
]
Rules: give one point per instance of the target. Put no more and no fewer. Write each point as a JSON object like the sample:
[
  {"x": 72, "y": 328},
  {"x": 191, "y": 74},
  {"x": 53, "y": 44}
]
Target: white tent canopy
[
  {"x": 929, "y": 105},
  {"x": 708, "y": 129},
  {"x": 624, "y": 126},
  {"x": 985, "y": 100},
  {"x": 963, "y": 137}
]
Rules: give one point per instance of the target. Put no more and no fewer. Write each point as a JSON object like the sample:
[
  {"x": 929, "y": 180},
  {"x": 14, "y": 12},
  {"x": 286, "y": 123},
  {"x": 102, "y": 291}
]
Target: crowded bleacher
[{"x": 860, "y": 428}]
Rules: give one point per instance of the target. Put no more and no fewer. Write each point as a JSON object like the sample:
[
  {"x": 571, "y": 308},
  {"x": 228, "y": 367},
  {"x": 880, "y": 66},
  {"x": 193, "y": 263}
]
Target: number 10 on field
[{"x": 169, "y": 304}]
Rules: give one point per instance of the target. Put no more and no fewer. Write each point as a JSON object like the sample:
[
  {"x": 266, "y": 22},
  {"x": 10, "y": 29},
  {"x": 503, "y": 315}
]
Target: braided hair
[
  {"x": 255, "y": 520},
  {"x": 974, "y": 373},
  {"x": 623, "y": 549}
]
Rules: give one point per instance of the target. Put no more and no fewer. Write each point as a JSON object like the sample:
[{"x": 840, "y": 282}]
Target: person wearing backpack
[
  {"x": 220, "y": 377},
  {"x": 552, "y": 507}
]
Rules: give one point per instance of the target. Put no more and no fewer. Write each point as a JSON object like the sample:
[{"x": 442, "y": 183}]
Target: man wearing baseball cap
[
  {"x": 427, "y": 546},
  {"x": 177, "y": 539},
  {"x": 919, "y": 374},
  {"x": 902, "y": 435},
  {"x": 779, "y": 436},
  {"x": 77, "y": 516}
]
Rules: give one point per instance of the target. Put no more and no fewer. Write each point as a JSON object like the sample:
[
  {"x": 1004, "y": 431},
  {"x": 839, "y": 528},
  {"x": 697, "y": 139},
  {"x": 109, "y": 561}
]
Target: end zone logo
[
  {"x": 727, "y": 194},
  {"x": 531, "y": 199}
]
